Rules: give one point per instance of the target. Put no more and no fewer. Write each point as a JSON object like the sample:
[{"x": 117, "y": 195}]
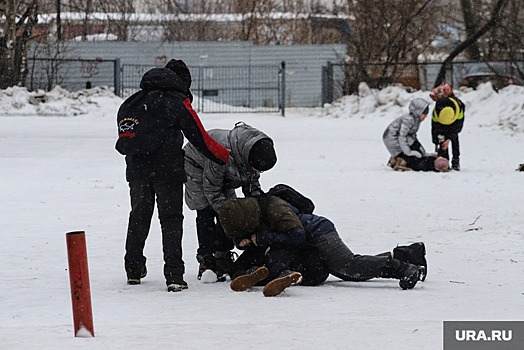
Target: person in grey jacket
[
  {"x": 400, "y": 138},
  {"x": 210, "y": 184}
]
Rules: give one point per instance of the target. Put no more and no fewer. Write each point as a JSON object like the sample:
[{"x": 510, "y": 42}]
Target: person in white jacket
[{"x": 400, "y": 138}]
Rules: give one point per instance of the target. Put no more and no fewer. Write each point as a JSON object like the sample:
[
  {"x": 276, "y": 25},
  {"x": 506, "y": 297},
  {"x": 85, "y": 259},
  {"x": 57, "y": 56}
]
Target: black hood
[{"x": 164, "y": 79}]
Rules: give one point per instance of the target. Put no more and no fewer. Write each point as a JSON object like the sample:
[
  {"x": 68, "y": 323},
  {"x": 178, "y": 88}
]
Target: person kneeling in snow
[
  {"x": 272, "y": 222},
  {"x": 400, "y": 138}
]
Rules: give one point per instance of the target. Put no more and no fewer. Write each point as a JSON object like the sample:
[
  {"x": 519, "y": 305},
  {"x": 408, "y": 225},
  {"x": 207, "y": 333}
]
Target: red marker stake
[{"x": 79, "y": 280}]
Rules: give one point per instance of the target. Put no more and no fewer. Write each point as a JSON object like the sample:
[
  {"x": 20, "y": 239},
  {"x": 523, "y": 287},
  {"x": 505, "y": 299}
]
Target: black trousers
[
  {"x": 455, "y": 147},
  {"x": 305, "y": 259},
  {"x": 169, "y": 199},
  {"x": 424, "y": 163},
  {"x": 346, "y": 265},
  {"x": 211, "y": 236}
]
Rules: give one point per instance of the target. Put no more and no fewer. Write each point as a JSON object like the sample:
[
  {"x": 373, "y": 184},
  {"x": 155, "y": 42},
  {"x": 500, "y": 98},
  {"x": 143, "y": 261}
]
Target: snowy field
[{"x": 60, "y": 173}]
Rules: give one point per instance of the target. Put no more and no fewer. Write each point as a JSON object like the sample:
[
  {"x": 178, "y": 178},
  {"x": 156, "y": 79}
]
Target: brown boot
[
  {"x": 401, "y": 165},
  {"x": 244, "y": 282},
  {"x": 277, "y": 286},
  {"x": 392, "y": 161}
]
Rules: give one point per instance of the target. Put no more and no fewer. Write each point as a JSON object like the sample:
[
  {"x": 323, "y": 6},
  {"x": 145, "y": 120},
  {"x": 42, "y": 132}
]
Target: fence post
[
  {"x": 283, "y": 88},
  {"x": 79, "y": 280},
  {"x": 117, "y": 68},
  {"x": 329, "y": 82}
]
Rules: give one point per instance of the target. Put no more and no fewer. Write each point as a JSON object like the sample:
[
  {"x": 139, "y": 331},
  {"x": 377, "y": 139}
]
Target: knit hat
[
  {"x": 180, "y": 68},
  {"x": 239, "y": 216},
  {"x": 262, "y": 155},
  {"x": 441, "y": 91}
]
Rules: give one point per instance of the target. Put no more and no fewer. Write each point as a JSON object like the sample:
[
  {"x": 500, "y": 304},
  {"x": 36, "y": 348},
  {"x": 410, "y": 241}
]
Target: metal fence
[
  {"x": 72, "y": 74},
  {"x": 225, "y": 89},
  {"x": 340, "y": 79}
]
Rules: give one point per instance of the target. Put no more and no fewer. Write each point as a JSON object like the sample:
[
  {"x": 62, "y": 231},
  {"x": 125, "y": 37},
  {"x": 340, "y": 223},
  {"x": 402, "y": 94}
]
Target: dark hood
[{"x": 164, "y": 79}]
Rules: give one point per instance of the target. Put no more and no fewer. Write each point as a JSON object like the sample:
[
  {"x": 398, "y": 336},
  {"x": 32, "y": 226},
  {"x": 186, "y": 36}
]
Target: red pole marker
[{"x": 79, "y": 279}]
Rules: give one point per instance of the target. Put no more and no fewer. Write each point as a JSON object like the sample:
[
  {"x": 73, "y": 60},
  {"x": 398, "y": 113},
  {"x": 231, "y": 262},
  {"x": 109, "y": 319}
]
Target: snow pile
[
  {"x": 18, "y": 101},
  {"x": 503, "y": 109}
]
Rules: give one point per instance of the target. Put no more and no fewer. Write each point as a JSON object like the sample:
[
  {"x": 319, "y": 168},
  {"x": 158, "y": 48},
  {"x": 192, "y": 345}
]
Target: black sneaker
[
  {"x": 176, "y": 285},
  {"x": 135, "y": 280},
  {"x": 455, "y": 164},
  {"x": 414, "y": 254},
  {"x": 286, "y": 279},
  {"x": 248, "y": 280},
  {"x": 208, "y": 262}
]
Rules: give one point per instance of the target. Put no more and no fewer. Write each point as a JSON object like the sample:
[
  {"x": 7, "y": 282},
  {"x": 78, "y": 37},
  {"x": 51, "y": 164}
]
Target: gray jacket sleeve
[
  {"x": 404, "y": 135},
  {"x": 213, "y": 180}
]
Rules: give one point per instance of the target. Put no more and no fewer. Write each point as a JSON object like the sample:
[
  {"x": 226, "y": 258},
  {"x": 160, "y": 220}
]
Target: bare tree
[
  {"x": 386, "y": 35},
  {"x": 18, "y": 19},
  {"x": 495, "y": 20}
]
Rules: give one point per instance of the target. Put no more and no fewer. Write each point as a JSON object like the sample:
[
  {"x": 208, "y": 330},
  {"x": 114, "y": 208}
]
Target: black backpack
[
  {"x": 293, "y": 197},
  {"x": 140, "y": 129}
]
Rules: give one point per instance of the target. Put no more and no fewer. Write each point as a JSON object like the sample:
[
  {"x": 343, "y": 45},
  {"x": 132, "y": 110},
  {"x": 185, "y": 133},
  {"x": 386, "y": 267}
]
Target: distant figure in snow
[
  {"x": 400, "y": 138},
  {"x": 447, "y": 121}
]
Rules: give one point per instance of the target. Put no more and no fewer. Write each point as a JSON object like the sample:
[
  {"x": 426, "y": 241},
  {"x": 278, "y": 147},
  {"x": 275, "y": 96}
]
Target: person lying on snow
[
  {"x": 270, "y": 222},
  {"x": 400, "y": 138}
]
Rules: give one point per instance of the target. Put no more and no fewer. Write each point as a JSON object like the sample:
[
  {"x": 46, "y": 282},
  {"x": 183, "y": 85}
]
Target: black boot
[
  {"x": 287, "y": 278},
  {"x": 225, "y": 262},
  {"x": 175, "y": 284},
  {"x": 414, "y": 254},
  {"x": 249, "y": 278},
  {"x": 208, "y": 262},
  {"x": 455, "y": 164},
  {"x": 134, "y": 280},
  {"x": 407, "y": 274}
]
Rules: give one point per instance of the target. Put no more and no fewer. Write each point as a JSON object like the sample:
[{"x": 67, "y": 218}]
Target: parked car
[{"x": 499, "y": 75}]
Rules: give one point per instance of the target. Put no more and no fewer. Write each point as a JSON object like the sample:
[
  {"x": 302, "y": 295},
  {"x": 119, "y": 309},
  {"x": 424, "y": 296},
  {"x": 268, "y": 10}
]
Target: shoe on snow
[
  {"x": 244, "y": 282},
  {"x": 208, "y": 262},
  {"x": 132, "y": 281},
  {"x": 277, "y": 286},
  {"x": 176, "y": 287},
  {"x": 413, "y": 254},
  {"x": 411, "y": 275}
]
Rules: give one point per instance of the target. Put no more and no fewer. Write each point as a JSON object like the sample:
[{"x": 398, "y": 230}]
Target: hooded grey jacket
[
  {"x": 402, "y": 132},
  {"x": 210, "y": 184}
]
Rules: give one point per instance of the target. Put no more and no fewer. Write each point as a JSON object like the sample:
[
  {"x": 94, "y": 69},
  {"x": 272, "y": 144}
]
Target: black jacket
[
  {"x": 450, "y": 130},
  {"x": 151, "y": 123}
]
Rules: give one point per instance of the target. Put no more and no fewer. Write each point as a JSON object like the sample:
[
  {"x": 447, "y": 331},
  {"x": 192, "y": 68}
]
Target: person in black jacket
[
  {"x": 447, "y": 121},
  {"x": 152, "y": 124},
  {"x": 268, "y": 222}
]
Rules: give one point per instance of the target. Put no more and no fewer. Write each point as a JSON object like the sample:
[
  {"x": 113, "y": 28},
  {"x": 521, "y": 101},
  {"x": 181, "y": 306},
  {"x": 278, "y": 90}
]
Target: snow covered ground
[{"x": 60, "y": 173}]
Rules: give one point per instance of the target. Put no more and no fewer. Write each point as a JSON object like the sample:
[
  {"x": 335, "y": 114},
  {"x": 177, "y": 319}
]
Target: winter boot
[
  {"x": 225, "y": 262},
  {"x": 176, "y": 284},
  {"x": 248, "y": 280},
  {"x": 455, "y": 164},
  {"x": 208, "y": 262},
  {"x": 131, "y": 280},
  {"x": 401, "y": 165},
  {"x": 407, "y": 274},
  {"x": 287, "y": 278},
  {"x": 413, "y": 254},
  {"x": 392, "y": 161}
]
